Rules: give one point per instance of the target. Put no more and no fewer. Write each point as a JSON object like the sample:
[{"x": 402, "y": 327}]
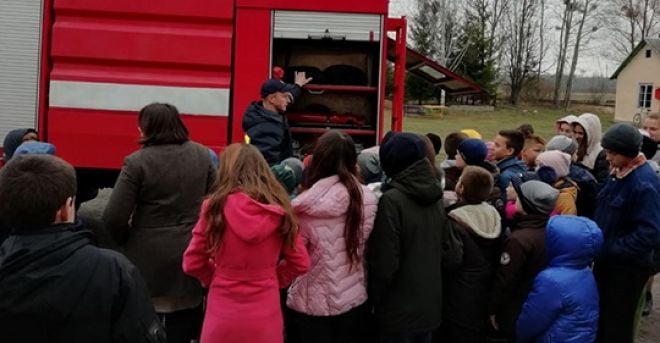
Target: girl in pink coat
[
  {"x": 246, "y": 225},
  {"x": 336, "y": 215}
]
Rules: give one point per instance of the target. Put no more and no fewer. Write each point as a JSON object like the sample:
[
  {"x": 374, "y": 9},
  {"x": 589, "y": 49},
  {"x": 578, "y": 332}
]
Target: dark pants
[
  {"x": 420, "y": 337},
  {"x": 620, "y": 289},
  {"x": 454, "y": 333},
  {"x": 183, "y": 326},
  {"x": 347, "y": 327}
]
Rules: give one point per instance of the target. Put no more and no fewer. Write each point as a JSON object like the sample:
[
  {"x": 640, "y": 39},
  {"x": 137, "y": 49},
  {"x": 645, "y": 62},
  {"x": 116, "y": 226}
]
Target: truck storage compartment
[{"x": 344, "y": 92}]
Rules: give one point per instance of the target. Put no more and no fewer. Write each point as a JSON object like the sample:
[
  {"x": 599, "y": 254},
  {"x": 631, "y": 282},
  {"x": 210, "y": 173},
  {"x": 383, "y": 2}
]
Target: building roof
[
  {"x": 652, "y": 42},
  {"x": 435, "y": 73}
]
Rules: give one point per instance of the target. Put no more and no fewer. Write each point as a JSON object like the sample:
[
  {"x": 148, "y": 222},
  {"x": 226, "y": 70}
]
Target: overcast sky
[{"x": 591, "y": 62}]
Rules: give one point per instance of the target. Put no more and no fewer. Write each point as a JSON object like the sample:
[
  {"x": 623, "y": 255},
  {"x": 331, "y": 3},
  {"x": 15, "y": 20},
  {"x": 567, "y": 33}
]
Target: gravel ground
[{"x": 91, "y": 212}]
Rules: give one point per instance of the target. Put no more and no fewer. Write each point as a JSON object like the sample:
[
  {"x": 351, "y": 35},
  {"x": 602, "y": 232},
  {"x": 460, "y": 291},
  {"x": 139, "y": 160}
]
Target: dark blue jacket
[
  {"x": 563, "y": 304},
  {"x": 269, "y": 131},
  {"x": 509, "y": 168},
  {"x": 628, "y": 212}
]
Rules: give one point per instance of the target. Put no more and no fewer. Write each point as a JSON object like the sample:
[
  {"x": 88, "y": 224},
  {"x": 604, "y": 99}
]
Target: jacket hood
[
  {"x": 251, "y": 220},
  {"x": 29, "y": 258},
  {"x": 483, "y": 219},
  {"x": 592, "y": 127},
  {"x": 572, "y": 241},
  {"x": 256, "y": 114},
  {"x": 13, "y": 139},
  {"x": 418, "y": 182},
  {"x": 567, "y": 119},
  {"x": 327, "y": 198}
]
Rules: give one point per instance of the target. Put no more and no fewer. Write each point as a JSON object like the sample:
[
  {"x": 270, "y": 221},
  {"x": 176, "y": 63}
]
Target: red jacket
[{"x": 244, "y": 275}]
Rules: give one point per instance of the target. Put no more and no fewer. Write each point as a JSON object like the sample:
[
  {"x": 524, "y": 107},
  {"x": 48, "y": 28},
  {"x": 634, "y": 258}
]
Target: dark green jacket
[{"x": 404, "y": 252}]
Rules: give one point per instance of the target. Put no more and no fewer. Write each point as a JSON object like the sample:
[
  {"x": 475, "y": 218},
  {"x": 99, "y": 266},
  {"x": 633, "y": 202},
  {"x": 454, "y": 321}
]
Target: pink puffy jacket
[{"x": 331, "y": 287}]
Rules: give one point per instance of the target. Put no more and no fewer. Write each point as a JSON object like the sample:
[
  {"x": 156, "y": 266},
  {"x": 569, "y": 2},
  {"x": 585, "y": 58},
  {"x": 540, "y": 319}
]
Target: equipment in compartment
[{"x": 343, "y": 94}]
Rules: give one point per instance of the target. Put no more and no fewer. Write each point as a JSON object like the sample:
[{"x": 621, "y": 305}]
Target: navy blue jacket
[
  {"x": 563, "y": 304},
  {"x": 628, "y": 212},
  {"x": 509, "y": 168},
  {"x": 269, "y": 131}
]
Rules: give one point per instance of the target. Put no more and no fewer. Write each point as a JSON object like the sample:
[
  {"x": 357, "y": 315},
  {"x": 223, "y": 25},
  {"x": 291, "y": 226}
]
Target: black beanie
[
  {"x": 399, "y": 151},
  {"x": 623, "y": 139}
]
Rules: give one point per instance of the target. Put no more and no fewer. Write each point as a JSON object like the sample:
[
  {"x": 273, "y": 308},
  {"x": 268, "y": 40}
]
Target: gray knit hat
[
  {"x": 536, "y": 197},
  {"x": 563, "y": 144}
]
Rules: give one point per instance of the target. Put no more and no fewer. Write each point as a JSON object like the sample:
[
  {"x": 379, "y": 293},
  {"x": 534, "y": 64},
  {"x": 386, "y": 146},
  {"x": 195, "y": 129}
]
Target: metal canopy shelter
[{"x": 434, "y": 73}]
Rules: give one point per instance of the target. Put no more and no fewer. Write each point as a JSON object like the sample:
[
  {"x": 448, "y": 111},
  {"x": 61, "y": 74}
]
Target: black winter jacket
[
  {"x": 56, "y": 287},
  {"x": 269, "y": 132},
  {"x": 523, "y": 257},
  {"x": 404, "y": 252}
]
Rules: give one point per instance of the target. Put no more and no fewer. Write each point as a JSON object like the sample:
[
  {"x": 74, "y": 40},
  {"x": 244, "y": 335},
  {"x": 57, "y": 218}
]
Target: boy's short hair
[
  {"x": 514, "y": 139},
  {"x": 451, "y": 143},
  {"x": 477, "y": 184},
  {"x": 533, "y": 139},
  {"x": 33, "y": 188}
]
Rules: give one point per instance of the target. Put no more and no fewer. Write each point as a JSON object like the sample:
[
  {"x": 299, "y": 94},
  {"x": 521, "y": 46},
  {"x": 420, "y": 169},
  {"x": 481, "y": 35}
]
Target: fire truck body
[{"x": 80, "y": 70}]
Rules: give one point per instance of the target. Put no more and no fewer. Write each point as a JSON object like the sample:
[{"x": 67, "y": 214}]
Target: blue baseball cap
[{"x": 273, "y": 86}]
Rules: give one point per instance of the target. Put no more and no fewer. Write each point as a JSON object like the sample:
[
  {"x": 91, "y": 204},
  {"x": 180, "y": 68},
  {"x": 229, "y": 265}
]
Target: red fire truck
[{"x": 79, "y": 70}]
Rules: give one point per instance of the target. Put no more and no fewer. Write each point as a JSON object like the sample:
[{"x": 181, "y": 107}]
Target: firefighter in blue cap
[{"x": 264, "y": 122}]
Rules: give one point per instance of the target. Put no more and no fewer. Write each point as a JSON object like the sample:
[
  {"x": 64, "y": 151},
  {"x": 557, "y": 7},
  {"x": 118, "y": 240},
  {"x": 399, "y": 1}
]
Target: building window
[
  {"x": 645, "y": 92},
  {"x": 648, "y": 53}
]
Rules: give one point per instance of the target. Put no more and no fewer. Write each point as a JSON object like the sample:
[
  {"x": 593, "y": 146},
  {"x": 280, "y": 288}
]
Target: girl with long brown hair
[
  {"x": 246, "y": 225},
  {"x": 336, "y": 214}
]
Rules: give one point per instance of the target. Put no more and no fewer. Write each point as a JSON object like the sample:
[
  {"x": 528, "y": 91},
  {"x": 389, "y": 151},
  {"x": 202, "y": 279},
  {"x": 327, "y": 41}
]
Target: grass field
[{"x": 489, "y": 123}]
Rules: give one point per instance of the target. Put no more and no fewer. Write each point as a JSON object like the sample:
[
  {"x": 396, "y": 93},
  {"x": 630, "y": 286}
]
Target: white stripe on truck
[{"x": 125, "y": 97}]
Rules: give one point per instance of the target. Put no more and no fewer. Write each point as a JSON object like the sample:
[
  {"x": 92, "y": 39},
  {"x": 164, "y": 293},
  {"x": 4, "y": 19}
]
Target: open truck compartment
[{"x": 345, "y": 63}]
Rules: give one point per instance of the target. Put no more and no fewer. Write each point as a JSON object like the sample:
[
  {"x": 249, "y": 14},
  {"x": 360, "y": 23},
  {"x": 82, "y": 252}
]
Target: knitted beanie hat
[
  {"x": 557, "y": 160},
  {"x": 623, "y": 139}
]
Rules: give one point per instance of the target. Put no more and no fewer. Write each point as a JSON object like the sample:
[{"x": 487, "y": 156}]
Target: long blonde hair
[{"x": 243, "y": 168}]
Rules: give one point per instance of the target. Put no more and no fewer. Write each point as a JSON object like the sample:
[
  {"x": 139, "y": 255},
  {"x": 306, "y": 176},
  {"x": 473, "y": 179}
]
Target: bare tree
[
  {"x": 568, "y": 9},
  {"x": 522, "y": 44},
  {"x": 589, "y": 18},
  {"x": 630, "y": 22}
]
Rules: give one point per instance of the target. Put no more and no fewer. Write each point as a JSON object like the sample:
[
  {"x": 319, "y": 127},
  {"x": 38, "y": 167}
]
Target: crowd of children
[{"x": 520, "y": 239}]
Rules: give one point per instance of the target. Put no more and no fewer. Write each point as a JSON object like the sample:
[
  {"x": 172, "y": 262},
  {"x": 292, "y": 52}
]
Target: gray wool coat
[{"x": 153, "y": 208}]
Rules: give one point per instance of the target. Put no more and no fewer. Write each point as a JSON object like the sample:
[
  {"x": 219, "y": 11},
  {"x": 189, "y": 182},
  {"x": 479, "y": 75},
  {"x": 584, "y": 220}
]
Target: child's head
[
  {"x": 401, "y": 150},
  {"x": 15, "y": 138},
  {"x": 471, "y": 152},
  {"x": 36, "y": 191},
  {"x": 475, "y": 185},
  {"x": 564, "y": 125},
  {"x": 334, "y": 154},
  {"x": 436, "y": 141},
  {"x": 471, "y": 133},
  {"x": 508, "y": 143},
  {"x": 572, "y": 241},
  {"x": 526, "y": 129},
  {"x": 243, "y": 168},
  {"x": 535, "y": 197},
  {"x": 534, "y": 145},
  {"x": 564, "y": 144},
  {"x": 451, "y": 143},
  {"x": 557, "y": 160}
]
